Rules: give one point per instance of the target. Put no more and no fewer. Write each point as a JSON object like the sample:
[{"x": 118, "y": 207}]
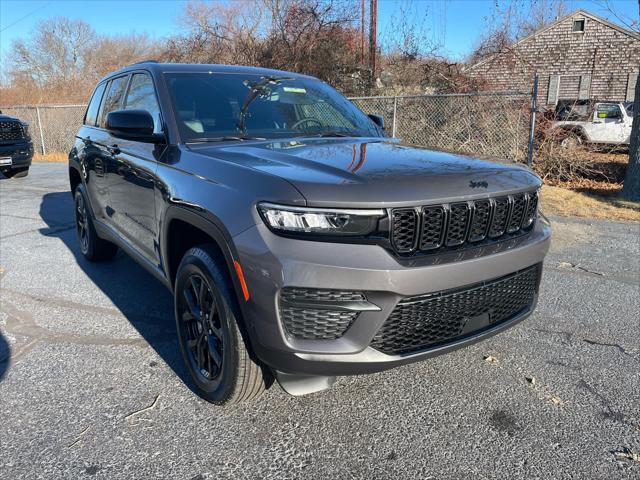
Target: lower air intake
[
  {"x": 314, "y": 314},
  {"x": 425, "y": 321}
]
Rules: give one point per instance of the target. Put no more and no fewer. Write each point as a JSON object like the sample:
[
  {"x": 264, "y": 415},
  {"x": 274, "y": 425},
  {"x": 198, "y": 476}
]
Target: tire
[
  {"x": 571, "y": 141},
  {"x": 211, "y": 342},
  {"x": 94, "y": 248},
  {"x": 17, "y": 172}
]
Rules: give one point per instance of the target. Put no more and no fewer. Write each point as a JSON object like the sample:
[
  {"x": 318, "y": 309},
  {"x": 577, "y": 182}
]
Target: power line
[{"x": 27, "y": 15}]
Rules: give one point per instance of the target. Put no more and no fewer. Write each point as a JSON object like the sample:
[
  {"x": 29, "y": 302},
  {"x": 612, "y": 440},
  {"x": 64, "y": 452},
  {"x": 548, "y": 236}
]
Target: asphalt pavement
[{"x": 92, "y": 383}]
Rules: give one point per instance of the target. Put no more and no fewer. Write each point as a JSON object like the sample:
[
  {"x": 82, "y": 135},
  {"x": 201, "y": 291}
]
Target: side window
[
  {"x": 609, "y": 110},
  {"x": 92, "y": 111},
  {"x": 113, "y": 98},
  {"x": 142, "y": 96}
]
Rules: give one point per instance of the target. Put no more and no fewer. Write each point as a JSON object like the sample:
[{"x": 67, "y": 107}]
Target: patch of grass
[
  {"x": 51, "y": 157},
  {"x": 562, "y": 202}
]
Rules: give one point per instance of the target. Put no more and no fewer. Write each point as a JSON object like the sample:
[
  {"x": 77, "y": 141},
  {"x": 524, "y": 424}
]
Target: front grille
[
  {"x": 429, "y": 320},
  {"x": 11, "y": 130},
  {"x": 457, "y": 225},
  {"x": 315, "y": 314}
]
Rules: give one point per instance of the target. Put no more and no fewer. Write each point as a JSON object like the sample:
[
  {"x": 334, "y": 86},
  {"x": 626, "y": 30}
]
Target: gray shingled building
[{"x": 579, "y": 56}]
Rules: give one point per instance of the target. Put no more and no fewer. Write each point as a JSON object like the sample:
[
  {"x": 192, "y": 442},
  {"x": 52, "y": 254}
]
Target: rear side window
[
  {"x": 142, "y": 96},
  {"x": 92, "y": 111},
  {"x": 113, "y": 98}
]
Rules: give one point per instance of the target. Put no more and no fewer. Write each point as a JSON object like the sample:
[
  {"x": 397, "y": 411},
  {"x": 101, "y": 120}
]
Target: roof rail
[{"x": 151, "y": 60}]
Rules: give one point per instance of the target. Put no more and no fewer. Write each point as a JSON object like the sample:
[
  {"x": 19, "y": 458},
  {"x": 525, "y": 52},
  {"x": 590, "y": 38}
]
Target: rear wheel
[
  {"x": 210, "y": 339},
  {"x": 94, "y": 248}
]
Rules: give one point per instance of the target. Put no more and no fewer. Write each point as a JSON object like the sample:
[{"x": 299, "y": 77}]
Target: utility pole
[
  {"x": 373, "y": 34},
  {"x": 362, "y": 6}
]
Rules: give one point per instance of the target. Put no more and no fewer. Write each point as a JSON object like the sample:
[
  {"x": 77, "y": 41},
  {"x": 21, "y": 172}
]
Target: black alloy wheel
[
  {"x": 82, "y": 223},
  {"x": 209, "y": 325},
  {"x": 201, "y": 329}
]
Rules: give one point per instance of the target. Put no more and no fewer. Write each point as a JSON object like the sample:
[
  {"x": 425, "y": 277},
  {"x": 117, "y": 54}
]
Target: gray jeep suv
[{"x": 298, "y": 240}]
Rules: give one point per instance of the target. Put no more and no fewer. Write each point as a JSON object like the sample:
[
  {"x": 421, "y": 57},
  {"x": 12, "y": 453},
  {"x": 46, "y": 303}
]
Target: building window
[{"x": 578, "y": 26}]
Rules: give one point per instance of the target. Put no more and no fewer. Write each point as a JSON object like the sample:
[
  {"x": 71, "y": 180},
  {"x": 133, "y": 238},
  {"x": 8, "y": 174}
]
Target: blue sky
[{"x": 455, "y": 22}]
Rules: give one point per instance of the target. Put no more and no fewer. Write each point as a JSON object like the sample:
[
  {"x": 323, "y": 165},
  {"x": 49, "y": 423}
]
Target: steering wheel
[{"x": 306, "y": 120}]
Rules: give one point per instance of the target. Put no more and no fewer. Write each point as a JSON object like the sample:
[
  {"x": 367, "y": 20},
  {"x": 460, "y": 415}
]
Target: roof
[
  {"x": 156, "y": 67},
  {"x": 578, "y": 12}
]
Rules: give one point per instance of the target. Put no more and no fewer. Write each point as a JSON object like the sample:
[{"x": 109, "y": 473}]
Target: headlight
[
  {"x": 320, "y": 221},
  {"x": 25, "y": 130}
]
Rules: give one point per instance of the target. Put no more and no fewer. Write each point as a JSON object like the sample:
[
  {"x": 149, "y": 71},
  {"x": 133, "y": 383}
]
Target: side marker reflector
[{"x": 243, "y": 284}]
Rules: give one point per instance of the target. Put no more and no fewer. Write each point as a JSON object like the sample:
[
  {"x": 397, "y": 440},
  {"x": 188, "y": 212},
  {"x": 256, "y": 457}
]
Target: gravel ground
[{"x": 91, "y": 382}]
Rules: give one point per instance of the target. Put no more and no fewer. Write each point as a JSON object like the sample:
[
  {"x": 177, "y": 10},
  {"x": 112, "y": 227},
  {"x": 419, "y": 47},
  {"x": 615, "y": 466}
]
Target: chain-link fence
[
  {"x": 52, "y": 127},
  {"x": 490, "y": 125}
]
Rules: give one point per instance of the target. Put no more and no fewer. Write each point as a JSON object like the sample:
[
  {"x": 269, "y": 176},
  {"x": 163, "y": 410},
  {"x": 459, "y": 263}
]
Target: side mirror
[
  {"x": 132, "y": 125},
  {"x": 377, "y": 119}
]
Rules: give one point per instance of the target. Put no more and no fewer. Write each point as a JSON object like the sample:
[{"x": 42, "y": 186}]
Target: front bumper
[
  {"x": 21, "y": 154},
  {"x": 271, "y": 262}
]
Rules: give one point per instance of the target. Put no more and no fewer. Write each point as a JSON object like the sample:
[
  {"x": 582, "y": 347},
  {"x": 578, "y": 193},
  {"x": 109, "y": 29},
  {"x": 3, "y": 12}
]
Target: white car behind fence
[{"x": 596, "y": 123}]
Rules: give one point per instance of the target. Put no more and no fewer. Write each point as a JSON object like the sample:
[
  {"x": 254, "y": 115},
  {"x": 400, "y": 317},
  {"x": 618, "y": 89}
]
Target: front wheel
[
  {"x": 571, "y": 141},
  {"x": 16, "y": 172},
  {"x": 210, "y": 339}
]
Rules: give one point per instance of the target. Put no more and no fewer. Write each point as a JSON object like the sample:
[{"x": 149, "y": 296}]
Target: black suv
[
  {"x": 16, "y": 148},
  {"x": 297, "y": 239}
]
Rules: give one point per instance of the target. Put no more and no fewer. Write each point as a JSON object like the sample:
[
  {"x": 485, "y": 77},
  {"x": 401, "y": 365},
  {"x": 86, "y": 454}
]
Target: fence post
[
  {"x": 532, "y": 127},
  {"x": 395, "y": 113},
  {"x": 44, "y": 150}
]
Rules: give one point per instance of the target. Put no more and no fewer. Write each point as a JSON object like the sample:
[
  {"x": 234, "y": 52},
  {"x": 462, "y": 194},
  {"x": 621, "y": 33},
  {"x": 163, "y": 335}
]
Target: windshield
[{"x": 211, "y": 105}]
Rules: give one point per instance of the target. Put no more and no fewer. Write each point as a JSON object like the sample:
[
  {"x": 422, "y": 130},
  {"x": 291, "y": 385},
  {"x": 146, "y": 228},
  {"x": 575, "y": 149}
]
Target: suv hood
[{"x": 364, "y": 172}]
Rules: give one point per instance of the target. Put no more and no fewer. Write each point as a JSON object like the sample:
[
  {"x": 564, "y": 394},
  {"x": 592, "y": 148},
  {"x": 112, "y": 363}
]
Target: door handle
[{"x": 113, "y": 149}]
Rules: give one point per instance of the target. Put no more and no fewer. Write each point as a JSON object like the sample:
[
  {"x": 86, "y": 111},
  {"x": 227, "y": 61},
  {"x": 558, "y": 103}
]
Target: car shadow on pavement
[{"x": 144, "y": 301}]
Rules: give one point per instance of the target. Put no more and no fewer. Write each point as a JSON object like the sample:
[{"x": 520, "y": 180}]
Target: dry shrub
[{"x": 557, "y": 164}]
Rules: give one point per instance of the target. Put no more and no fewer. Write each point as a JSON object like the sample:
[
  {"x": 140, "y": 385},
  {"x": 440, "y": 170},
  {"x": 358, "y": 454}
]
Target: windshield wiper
[
  {"x": 261, "y": 88},
  {"x": 226, "y": 138},
  {"x": 328, "y": 134}
]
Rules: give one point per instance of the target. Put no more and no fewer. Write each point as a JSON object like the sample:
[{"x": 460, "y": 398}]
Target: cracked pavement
[{"x": 92, "y": 384}]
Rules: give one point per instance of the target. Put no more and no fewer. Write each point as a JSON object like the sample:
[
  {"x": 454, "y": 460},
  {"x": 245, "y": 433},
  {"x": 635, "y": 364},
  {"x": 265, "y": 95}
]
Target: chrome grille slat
[{"x": 456, "y": 225}]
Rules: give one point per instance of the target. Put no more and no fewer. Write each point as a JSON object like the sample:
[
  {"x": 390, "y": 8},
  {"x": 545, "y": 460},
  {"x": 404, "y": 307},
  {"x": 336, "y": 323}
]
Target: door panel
[
  {"x": 132, "y": 193},
  {"x": 95, "y": 161},
  {"x": 608, "y": 124}
]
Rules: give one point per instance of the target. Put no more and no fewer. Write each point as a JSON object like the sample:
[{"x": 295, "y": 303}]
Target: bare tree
[
  {"x": 317, "y": 37},
  {"x": 55, "y": 52},
  {"x": 629, "y": 22},
  {"x": 61, "y": 52},
  {"x": 219, "y": 33},
  {"x": 512, "y": 20},
  {"x": 631, "y": 186}
]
